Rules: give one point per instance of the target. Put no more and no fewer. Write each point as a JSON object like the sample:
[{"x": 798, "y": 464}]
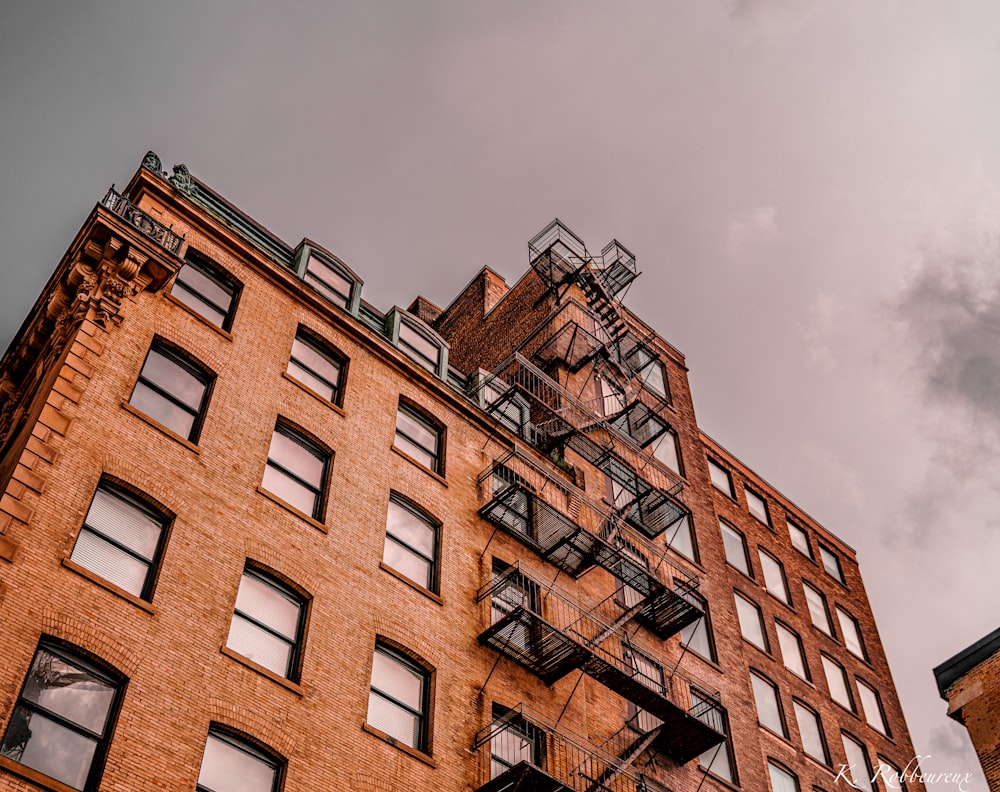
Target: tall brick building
[{"x": 259, "y": 534}]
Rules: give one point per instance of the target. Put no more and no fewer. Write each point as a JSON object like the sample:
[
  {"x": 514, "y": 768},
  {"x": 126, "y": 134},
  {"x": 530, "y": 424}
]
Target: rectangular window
[
  {"x": 792, "y": 654},
  {"x": 718, "y": 760},
  {"x": 800, "y": 541},
  {"x": 316, "y": 367},
  {"x": 774, "y": 576},
  {"x": 649, "y": 673},
  {"x": 328, "y": 281},
  {"x": 420, "y": 348},
  {"x": 757, "y": 506},
  {"x": 411, "y": 543},
  {"x": 851, "y": 633},
  {"x": 720, "y": 477},
  {"x": 681, "y": 538},
  {"x": 234, "y": 765},
  {"x": 831, "y": 564},
  {"x": 667, "y": 451},
  {"x": 736, "y": 548},
  {"x": 517, "y": 591},
  {"x": 172, "y": 391},
  {"x": 267, "y": 624},
  {"x": 296, "y": 471},
  {"x": 418, "y": 437},
  {"x": 697, "y": 636},
  {"x": 836, "y": 680},
  {"x": 871, "y": 704},
  {"x": 751, "y": 623},
  {"x": 399, "y": 698},
  {"x": 811, "y": 732},
  {"x": 517, "y": 741},
  {"x": 765, "y": 696},
  {"x": 62, "y": 723},
  {"x": 859, "y": 769},
  {"x": 206, "y": 291},
  {"x": 781, "y": 779},
  {"x": 121, "y": 540},
  {"x": 818, "y": 611},
  {"x": 892, "y": 778},
  {"x": 654, "y": 378}
]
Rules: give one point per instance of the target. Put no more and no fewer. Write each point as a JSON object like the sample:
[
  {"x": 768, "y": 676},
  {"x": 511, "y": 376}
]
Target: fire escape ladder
[{"x": 632, "y": 746}]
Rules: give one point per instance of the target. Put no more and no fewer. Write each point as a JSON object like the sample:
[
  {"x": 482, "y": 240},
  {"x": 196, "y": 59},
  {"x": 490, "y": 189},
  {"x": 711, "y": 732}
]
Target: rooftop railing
[{"x": 152, "y": 229}]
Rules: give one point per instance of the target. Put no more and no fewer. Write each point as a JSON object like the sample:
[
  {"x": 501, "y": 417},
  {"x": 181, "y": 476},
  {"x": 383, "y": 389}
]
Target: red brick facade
[{"x": 69, "y": 426}]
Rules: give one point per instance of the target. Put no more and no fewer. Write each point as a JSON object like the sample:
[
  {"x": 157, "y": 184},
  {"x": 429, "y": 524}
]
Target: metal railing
[{"x": 119, "y": 205}]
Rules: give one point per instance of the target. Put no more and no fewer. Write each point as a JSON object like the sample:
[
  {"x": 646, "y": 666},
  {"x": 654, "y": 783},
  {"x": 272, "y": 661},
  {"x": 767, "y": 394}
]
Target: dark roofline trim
[{"x": 956, "y": 667}]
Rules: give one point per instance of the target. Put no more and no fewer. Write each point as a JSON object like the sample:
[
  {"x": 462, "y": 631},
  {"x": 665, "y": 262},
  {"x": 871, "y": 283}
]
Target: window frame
[
  {"x": 141, "y": 504},
  {"x": 252, "y": 748},
  {"x": 772, "y": 766},
  {"x": 95, "y": 668},
  {"x": 701, "y": 625},
  {"x": 307, "y": 443},
  {"x": 433, "y": 563},
  {"x": 784, "y": 595},
  {"x": 829, "y": 666},
  {"x": 782, "y": 724},
  {"x": 821, "y": 601},
  {"x": 400, "y": 319},
  {"x": 851, "y": 633},
  {"x": 798, "y": 705},
  {"x": 330, "y": 355},
  {"x": 309, "y": 252},
  {"x": 882, "y": 725},
  {"x": 831, "y": 564},
  {"x": 180, "y": 358},
  {"x": 437, "y": 456},
  {"x": 291, "y": 593},
  {"x": 760, "y": 621},
  {"x": 736, "y": 535},
  {"x": 795, "y": 529},
  {"x": 644, "y": 379},
  {"x": 672, "y": 439},
  {"x": 686, "y": 524},
  {"x": 714, "y": 466},
  {"x": 782, "y": 628},
  {"x": 751, "y": 494},
  {"x": 424, "y": 716},
  {"x": 867, "y": 774},
  {"x": 220, "y": 277},
  {"x": 531, "y": 734},
  {"x": 697, "y": 697}
]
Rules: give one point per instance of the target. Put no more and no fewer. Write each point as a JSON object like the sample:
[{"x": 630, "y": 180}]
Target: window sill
[
  {"x": 419, "y": 755},
  {"x": 689, "y": 652},
  {"x": 224, "y": 333},
  {"x": 107, "y": 585},
  {"x": 246, "y": 661},
  {"x": 38, "y": 779},
  {"x": 748, "y": 642},
  {"x": 288, "y": 507},
  {"x": 777, "y": 736},
  {"x": 719, "y": 779},
  {"x": 326, "y": 402},
  {"x": 193, "y": 447},
  {"x": 411, "y": 583},
  {"x": 422, "y": 466}
]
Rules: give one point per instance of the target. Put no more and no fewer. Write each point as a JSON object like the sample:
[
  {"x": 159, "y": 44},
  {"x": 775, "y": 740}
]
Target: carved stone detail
[
  {"x": 182, "y": 179},
  {"x": 152, "y": 162}
]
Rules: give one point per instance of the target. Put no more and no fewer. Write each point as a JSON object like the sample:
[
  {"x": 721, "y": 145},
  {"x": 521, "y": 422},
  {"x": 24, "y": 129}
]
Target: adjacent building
[{"x": 259, "y": 534}]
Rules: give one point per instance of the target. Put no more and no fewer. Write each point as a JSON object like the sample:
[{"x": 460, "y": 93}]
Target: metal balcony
[
  {"x": 550, "y": 635},
  {"x": 575, "y": 534},
  {"x": 120, "y": 205},
  {"x": 560, "y": 420},
  {"x": 557, "y": 254},
  {"x": 617, "y": 267},
  {"x": 550, "y": 758}
]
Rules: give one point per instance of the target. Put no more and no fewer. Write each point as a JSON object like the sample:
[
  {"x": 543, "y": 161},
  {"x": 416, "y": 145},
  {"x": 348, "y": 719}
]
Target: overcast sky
[{"x": 811, "y": 190}]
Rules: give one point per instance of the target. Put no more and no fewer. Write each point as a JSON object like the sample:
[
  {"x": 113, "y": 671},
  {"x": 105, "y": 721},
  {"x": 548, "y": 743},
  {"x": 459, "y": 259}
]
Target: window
[
  {"x": 296, "y": 471},
  {"x": 62, "y": 723},
  {"x": 420, "y": 438},
  {"x": 697, "y": 636},
  {"x": 791, "y": 650},
  {"x": 634, "y": 565},
  {"x": 871, "y": 704},
  {"x": 326, "y": 278},
  {"x": 892, "y": 777},
  {"x": 852, "y": 634},
  {"x": 399, "y": 698},
  {"x": 720, "y": 477},
  {"x": 681, "y": 538},
  {"x": 518, "y": 740},
  {"x": 811, "y": 732},
  {"x": 757, "y": 506},
  {"x": 515, "y": 591},
  {"x": 667, "y": 451},
  {"x": 172, "y": 391},
  {"x": 206, "y": 291},
  {"x": 420, "y": 348},
  {"x": 859, "y": 771},
  {"x": 121, "y": 540},
  {"x": 836, "y": 680},
  {"x": 267, "y": 624},
  {"x": 647, "y": 672},
  {"x": 774, "y": 576},
  {"x": 817, "y": 609},
  {"x": 717, "y": 760},
  {"x": 751, "y": 624},
  {"x": 781, "y": 779},
  {"x": 234, "y": 765},
  {"x": 831, "y": 564},
  {"x": 316, "y": 367},
  {"x": 736, "y": 549},
  {"x": 799, "y": 539},
  {"x": 411, "y": 543},
  {"x": 765, "y": 696},
  {"x": 654, "y": 378}
]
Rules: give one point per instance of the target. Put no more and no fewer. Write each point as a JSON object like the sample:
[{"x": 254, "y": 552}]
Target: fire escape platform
[
  {"x": 668, "y": 612},
  {"x": 527, "y": 639},
  {"x": 685, "y": 737},
  {"x": 524, "y": 777}
]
